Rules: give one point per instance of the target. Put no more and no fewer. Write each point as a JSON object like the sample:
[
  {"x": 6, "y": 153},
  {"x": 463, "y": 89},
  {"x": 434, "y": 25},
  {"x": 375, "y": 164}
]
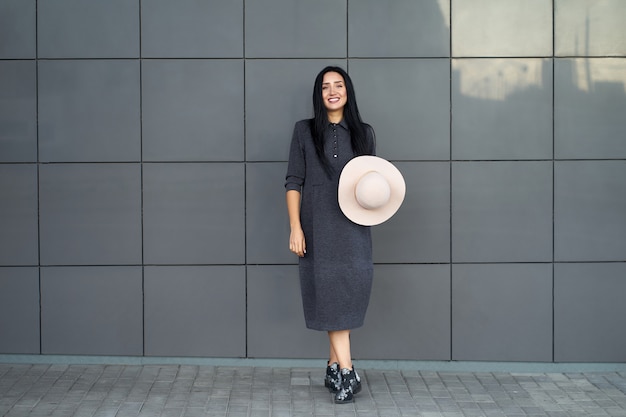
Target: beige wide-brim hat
[{"x": 371, "y": 190}]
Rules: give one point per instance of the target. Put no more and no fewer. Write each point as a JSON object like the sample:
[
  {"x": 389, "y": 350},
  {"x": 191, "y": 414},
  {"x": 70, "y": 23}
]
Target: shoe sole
[
  {"x": 345, "y": 401},
  {"x": 351, "y": 400}
]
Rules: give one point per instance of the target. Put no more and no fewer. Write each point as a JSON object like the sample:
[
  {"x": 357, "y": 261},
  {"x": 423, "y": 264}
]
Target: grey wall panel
[
  {"x": 420, "y": 229},
  {"x": 270, "y": 113},
  {"x": 589, "y": 312},
  {"x": 75, "y": 29},
  {"x": 589, "y": 28},
  {"x": 17, "y": 23},
  {"x": 18, "y": 215},
  {"x": 267, "y": 222},
  {"x": 502, "y": 109},
  {"x": 502, "y": 28},
  {"x": 589, "y": 209},
  {"x": 89, "y": 111},
  {"x": 19, "y": 310},
  {"x": 276, "y": 327},
  {"x": 407, "y": 101},
  {"x": 18, "y": 111},
  {"x": 153, "y": 136},
  {"x": 91, "y": 310},
  {"x": 193, "y": 213},
  {"x": 589, "y": 103},
  {"x": 191, "y": 28},
  {"x": 195, "y": 311},
  {"x": 90, "y": 214},
  {"x": 502, "y": 312},
  {"x": 295, "y": 28},
  {"x": 502, "y": 211},
  {"x": 192, "y": 110},
  {"x": 406, "y": 28},
  {"x": 408, "y": 316}
]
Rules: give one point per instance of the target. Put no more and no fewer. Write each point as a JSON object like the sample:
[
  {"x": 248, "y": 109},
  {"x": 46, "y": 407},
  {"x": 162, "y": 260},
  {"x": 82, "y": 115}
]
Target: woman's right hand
[{"x": 296, "y": 242}]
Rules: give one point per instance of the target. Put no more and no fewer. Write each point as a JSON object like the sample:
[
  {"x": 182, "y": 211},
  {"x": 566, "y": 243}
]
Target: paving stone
[{"x": 189, "y": 390}]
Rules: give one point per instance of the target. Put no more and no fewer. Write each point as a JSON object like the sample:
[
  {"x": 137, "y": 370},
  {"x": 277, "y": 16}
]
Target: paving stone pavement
[{"x": 190, "y": 391}]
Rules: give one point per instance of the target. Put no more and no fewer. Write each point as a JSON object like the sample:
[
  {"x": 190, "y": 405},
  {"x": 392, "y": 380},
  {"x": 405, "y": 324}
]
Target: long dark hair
[{"x": 351, "y": 115}]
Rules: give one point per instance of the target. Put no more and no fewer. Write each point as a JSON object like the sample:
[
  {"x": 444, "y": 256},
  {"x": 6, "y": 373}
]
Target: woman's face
[{"x": 334, "y": 92}]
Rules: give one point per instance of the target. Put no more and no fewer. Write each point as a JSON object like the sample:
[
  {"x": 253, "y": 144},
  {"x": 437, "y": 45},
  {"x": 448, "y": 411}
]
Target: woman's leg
[
  {"x": 333, "y": 356},
  {"x": 332, "y": 381},
  {"x": 340, "y": 348},
  {"x": 350, "y": 380}
]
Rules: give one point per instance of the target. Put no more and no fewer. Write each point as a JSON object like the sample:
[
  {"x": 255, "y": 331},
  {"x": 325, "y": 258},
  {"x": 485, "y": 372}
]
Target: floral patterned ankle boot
[
  {"x": 350, "y": 385},
  {"x": 332, "y": 381}
]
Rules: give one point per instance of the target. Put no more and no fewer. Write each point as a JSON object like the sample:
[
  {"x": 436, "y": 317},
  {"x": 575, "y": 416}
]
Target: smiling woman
[{"x": 335, "y": 254}]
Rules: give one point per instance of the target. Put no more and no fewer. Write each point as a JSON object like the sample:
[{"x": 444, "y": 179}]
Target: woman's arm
[{"x": 296, "y": 239}]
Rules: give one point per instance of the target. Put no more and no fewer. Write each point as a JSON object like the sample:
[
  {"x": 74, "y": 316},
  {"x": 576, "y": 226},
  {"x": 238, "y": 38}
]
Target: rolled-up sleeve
[{"x": 296, "y": 168}]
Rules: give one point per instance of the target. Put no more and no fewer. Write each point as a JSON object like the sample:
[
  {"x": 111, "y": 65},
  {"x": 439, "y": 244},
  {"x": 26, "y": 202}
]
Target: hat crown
[{"x": 372, "y": 190}]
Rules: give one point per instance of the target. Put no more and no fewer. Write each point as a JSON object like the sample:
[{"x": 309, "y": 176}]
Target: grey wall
[{"x": 143, "y": 146}]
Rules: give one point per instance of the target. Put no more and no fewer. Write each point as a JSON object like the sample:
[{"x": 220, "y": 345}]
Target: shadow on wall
[
  {"x": 512, "y": 96},
  {"x": 513, "y": 99}
]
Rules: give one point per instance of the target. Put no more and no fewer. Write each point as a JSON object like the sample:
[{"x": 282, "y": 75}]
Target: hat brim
[{"x": 350, "y": 175}]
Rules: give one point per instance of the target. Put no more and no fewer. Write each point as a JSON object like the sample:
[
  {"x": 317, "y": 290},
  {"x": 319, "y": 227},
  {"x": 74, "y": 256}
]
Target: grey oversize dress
[{"x": 337, "y": 270}]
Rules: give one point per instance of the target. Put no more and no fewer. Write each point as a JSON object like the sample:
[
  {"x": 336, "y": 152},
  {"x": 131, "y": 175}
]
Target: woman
[{"x": 335, "y": 261}]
